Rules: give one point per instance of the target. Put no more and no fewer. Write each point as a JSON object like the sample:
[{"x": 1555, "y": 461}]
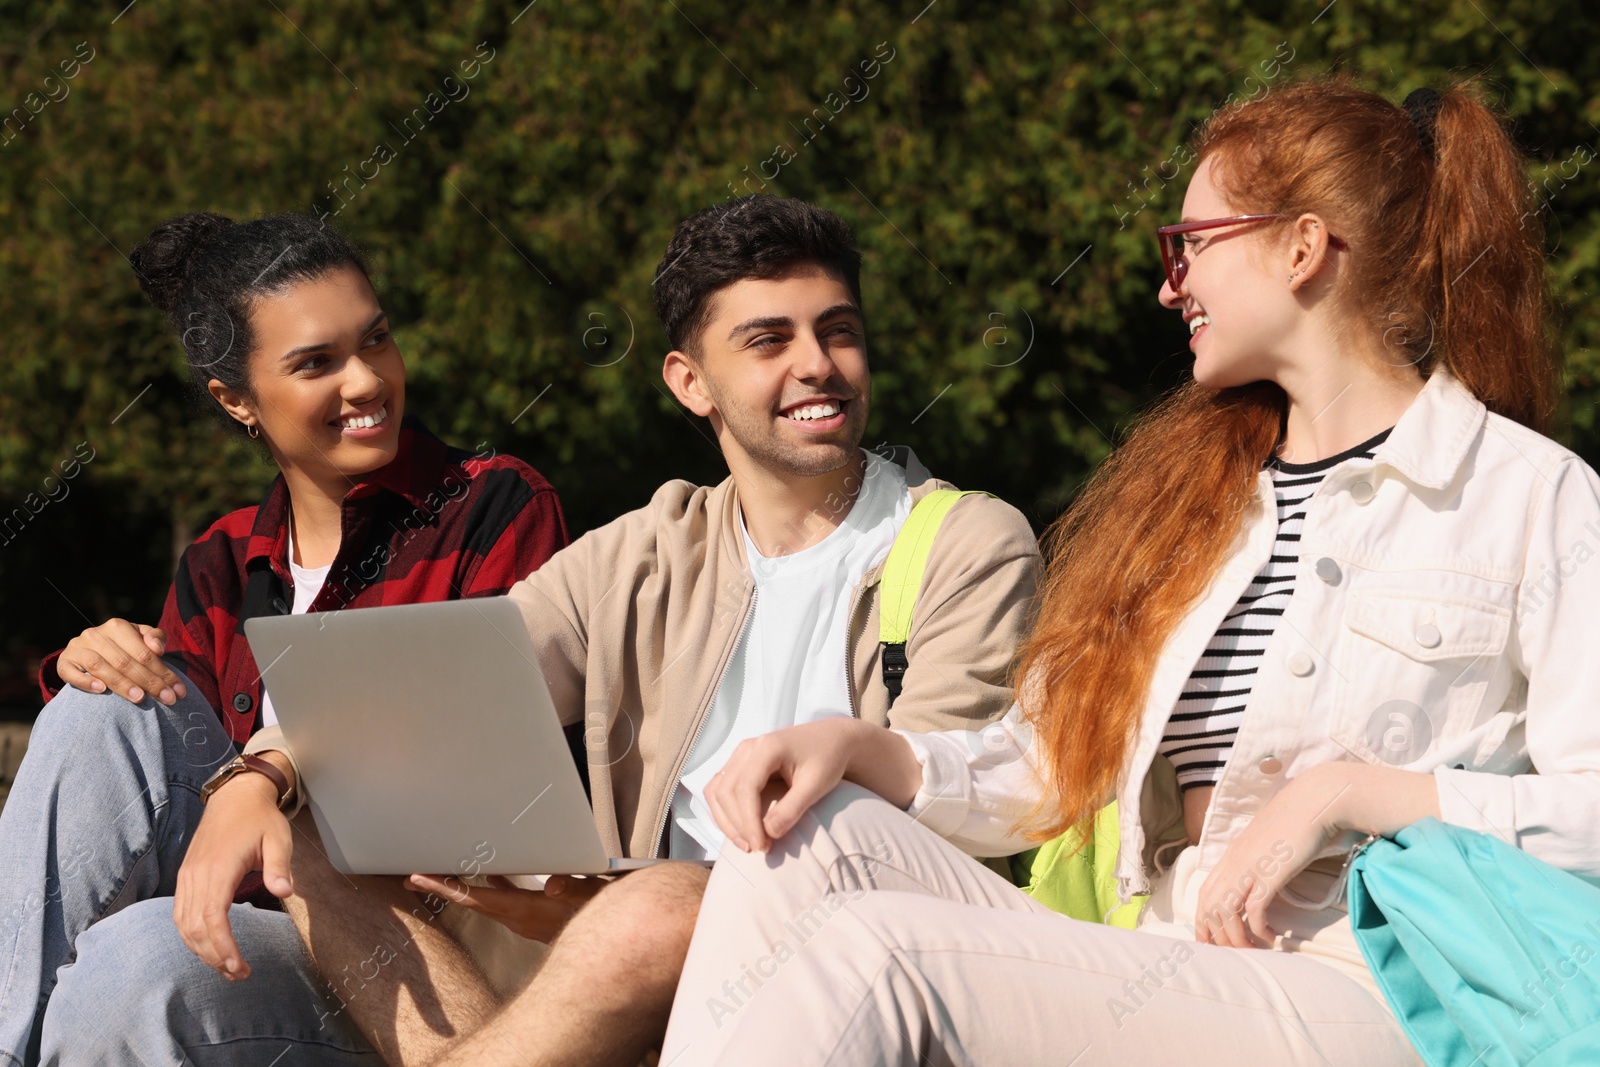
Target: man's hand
[
  {"x": 241, "y": 831},
  {"x": 122, "y": 656},
  {"x": 535, "y": 914},
  {"x": 771, "y": 781}
]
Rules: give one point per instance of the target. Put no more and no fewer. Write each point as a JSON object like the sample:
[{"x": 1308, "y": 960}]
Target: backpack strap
[{"x": 902, "y": 580}]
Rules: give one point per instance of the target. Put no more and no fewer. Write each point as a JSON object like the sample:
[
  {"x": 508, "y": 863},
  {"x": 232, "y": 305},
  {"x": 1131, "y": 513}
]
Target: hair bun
[{"x": 163, "y": 260}]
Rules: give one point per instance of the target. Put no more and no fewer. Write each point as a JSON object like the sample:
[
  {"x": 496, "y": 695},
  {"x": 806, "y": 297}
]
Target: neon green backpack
[
  {"x": 1078, "y": 882},
  {"x": 902, "y": 580}
]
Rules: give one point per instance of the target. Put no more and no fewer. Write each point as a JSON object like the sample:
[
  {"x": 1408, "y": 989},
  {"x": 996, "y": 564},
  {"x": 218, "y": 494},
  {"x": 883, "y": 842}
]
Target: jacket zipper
[
  {"x": 868, "y": 580},
  {"x": 850, "y": 656},
  {"x": 705, "y": 713}
]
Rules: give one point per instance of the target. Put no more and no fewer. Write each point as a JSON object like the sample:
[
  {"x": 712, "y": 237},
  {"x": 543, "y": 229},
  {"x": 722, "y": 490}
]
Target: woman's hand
[
  {"x": 1280, "y": 841},
  {"x": 122, "y": 656},
  {"x": 535, "y": 914},
  {"x": 1289, "y": 832},
  {"x": 809, "y": 760},
  {"x": 241, "y": 831}
]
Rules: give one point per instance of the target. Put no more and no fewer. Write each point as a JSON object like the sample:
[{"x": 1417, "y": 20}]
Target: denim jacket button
[
  {"x": 1361, "y": 492},
  {"x": 1428, "y": 635},
  {"x": 1270, "y": 766},
  {"x": 1301, "y": 665},
  {"x": 1328, "y": 570}
]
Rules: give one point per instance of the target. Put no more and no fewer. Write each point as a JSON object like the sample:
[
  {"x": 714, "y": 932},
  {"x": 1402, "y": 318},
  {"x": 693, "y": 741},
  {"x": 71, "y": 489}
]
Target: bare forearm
[
  {"x": 880, "y": 760},
  {"x": 1377, "y": 800}
]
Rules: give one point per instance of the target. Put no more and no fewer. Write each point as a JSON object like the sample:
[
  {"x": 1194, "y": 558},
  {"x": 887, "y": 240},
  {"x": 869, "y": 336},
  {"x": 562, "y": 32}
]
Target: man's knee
[
  {"x": 333, "y": 911},
  {"x": 665, "y": 889},
  {"x": 676, "y": 887},
  {"x": 313, "y": 874},
  {"x": 318, "y": 885},
  {"x": 651, "y": 913}
]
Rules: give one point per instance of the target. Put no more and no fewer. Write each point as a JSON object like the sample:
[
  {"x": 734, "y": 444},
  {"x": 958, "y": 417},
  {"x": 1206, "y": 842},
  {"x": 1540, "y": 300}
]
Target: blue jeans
[{"x": 91, "y": 966}]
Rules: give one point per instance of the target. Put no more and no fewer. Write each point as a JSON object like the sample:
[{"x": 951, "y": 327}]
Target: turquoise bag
[{"x": 1488, "y": 956}]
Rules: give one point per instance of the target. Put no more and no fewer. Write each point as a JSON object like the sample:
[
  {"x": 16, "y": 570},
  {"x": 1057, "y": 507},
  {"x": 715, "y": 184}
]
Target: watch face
[{"x": 224, "y": 775}]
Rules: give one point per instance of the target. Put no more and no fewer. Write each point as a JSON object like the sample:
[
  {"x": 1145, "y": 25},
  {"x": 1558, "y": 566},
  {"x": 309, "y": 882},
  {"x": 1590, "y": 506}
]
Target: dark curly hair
[
  {"x": 205, "y": 270},
  {"x": 757, "y": 236}
]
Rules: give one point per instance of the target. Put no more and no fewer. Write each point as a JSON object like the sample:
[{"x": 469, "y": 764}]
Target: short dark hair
[
  {"x": 758, "y": 236},
  {"x": 204, "y": 270}
]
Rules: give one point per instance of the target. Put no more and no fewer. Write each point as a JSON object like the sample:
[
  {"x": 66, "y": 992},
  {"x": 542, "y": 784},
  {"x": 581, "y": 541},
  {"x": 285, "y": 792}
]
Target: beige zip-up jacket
[{"x": 635, "y": 622}]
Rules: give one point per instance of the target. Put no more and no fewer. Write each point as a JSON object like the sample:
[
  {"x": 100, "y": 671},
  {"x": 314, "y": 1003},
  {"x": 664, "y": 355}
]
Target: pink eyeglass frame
[{"x": 1173, "y": 261}]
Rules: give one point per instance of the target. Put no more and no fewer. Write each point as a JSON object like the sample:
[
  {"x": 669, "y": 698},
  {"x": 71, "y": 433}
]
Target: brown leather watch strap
[{"x": 277, "y": 777}]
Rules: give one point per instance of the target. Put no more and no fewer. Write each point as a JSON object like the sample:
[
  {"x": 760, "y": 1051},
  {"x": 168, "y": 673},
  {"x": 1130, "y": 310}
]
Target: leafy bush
[{"x": 1004, "y": 165}]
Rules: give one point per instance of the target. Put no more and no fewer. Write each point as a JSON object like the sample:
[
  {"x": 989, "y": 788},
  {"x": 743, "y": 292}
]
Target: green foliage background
[{"x": 997, "y": 169}]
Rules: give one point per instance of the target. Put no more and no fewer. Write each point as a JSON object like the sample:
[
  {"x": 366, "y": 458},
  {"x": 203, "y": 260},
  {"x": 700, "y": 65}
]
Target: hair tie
[{"x": 1423, "y": 107}]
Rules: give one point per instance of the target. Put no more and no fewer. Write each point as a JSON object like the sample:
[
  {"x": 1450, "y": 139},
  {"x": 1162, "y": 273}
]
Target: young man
[{"x": 669, "y": 637}]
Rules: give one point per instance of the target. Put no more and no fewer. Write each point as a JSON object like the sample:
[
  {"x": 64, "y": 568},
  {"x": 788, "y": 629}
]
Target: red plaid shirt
[{"x": 436, "y": 523}]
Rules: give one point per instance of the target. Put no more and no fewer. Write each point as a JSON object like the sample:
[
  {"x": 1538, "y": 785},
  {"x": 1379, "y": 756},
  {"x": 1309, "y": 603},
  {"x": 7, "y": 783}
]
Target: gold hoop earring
[{"x": 252, "y": 430}]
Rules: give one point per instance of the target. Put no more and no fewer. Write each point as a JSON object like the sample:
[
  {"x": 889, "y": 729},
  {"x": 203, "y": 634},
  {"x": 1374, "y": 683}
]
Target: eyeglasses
[{"x": 1170, "y": 238}]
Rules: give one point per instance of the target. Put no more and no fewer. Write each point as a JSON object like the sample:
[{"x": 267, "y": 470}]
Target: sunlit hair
[{"x": 1445, "y": 265}]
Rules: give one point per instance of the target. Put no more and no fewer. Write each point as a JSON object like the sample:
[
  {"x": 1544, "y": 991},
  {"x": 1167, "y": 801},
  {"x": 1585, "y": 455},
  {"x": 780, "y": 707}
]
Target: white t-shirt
[
  {"x": 789, "y": 665},
  {"x": 308, "y": 583}
]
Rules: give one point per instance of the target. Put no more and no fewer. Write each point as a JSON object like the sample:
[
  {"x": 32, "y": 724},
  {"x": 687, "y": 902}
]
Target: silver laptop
[{"x": 427, "y": 741}]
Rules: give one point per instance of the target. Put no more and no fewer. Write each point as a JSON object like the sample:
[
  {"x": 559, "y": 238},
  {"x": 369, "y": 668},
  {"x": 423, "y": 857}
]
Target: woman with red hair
[{"x": 1334, "y": 585}]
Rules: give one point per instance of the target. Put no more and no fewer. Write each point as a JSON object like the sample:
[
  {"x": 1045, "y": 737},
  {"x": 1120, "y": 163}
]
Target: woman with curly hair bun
[{"x": 122, "y": 910}]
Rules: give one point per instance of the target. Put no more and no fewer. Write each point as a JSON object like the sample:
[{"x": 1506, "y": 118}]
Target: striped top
[{"x": 1205, "y": 722}]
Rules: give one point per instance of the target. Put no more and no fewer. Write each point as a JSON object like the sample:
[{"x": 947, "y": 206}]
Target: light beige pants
[{"x": 864, "y": 938}]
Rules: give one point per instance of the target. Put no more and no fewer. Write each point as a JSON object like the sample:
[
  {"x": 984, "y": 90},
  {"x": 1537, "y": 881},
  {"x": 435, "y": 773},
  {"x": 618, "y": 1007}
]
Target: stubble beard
[{"x": 761, "y": 442}]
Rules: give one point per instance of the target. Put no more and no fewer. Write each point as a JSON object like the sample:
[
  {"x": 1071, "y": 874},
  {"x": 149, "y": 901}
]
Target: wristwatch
[{"x": 241, "y": 764}]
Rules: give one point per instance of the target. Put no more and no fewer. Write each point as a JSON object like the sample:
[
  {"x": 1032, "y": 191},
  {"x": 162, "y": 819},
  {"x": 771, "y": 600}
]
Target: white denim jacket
[{"x": 1445, "y": 619}]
